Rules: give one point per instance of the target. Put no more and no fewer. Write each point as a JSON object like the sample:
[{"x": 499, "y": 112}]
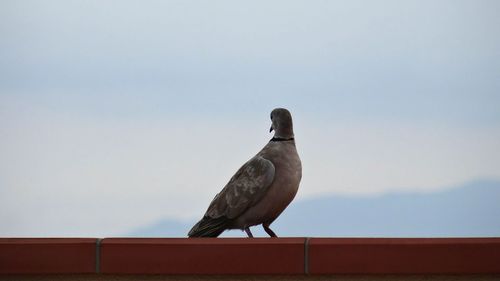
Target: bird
[{"x": 261, "y": 189}]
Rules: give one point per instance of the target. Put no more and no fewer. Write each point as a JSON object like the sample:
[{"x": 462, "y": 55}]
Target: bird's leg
[
  {"x": 268, "y": 230},
  {"x": 249, "y": 233}
]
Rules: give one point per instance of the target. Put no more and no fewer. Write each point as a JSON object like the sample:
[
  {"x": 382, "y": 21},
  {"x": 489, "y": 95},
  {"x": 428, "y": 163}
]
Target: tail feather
[{"x": 209, "y": 227}]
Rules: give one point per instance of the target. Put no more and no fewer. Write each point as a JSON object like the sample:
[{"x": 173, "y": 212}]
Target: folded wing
[{"x": 245, "y": 189}]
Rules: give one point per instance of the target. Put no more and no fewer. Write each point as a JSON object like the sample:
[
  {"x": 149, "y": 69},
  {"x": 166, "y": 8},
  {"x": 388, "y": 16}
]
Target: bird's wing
[{"x": 246, "y": 187}]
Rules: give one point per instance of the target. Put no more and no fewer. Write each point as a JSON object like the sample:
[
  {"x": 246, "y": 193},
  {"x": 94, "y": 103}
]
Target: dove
[{"x": 261, "y": 189}]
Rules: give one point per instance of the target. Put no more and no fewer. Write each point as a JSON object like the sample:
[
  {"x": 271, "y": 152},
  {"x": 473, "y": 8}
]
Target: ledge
[
  {"x": 243, "y": 256},
  {"x": 203, "y": 256},
  {"x": 404, "y": 255},
  {"x": 47, "y": 255}
]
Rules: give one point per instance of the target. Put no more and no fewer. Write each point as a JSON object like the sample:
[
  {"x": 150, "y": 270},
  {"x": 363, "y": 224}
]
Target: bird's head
[{"x": 281, "y": 123}]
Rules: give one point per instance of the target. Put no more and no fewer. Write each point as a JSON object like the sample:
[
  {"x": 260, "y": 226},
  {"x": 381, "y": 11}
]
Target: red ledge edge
[
  {"x": 404, "y": 255},
  {"x": 203, "y": 256},
  {"x": 221, "y": 256},
  {"x": 47, "y": 255}
]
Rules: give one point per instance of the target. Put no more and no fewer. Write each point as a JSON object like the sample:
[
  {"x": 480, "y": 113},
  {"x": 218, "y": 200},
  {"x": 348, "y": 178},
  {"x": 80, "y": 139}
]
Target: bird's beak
[{"x": 271, "y": 129}]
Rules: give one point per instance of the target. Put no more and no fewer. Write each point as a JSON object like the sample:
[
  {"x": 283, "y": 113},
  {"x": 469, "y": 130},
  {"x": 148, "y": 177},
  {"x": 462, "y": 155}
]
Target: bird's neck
[{"x": 274, "y": 139}]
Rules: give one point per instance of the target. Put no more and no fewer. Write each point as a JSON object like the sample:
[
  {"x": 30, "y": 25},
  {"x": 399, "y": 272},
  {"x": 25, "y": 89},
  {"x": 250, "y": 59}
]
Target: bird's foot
[
  {"x": 269, "y": 231},
  {"x": 249, "y": 233}
]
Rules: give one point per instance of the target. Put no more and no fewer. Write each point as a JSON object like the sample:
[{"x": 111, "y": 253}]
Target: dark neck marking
[{"x": 281, "y": 139}]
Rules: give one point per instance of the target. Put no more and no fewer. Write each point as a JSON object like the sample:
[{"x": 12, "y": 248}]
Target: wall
[{"x": 250, "y": 259}]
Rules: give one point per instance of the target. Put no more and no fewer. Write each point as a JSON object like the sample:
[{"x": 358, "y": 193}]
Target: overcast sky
[{"x": 115, "y": 114}]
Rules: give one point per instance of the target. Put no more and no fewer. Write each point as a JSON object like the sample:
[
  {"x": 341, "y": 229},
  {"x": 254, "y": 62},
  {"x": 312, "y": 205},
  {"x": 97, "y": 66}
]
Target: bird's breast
[{"x": 288, "y": 173}]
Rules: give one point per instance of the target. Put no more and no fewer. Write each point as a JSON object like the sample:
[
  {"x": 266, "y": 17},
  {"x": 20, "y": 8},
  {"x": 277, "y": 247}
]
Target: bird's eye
[{"x": 271, "y": 117}]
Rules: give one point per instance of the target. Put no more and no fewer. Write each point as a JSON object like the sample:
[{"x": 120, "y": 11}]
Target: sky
[{"x": 116, "y": 114}]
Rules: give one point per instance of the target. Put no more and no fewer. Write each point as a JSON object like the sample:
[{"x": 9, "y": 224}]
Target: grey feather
[
  {"x": 261, "y": 189},
  {"x": 245, "y": 188}
]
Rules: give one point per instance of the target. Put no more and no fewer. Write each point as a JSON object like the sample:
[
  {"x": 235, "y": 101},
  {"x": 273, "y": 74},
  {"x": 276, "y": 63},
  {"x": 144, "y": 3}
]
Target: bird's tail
[{"x": 209, "y": 227}]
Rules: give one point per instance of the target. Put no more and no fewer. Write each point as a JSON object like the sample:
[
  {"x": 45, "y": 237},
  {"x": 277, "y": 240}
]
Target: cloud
[
  {"x": 68, "y": 175},
  {"x": 414, "y": 60},
  {"x": 118, "y": 113}
]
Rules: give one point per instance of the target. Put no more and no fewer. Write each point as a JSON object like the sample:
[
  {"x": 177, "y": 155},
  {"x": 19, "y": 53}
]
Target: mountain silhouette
[{"x": 472, "y": 209}]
